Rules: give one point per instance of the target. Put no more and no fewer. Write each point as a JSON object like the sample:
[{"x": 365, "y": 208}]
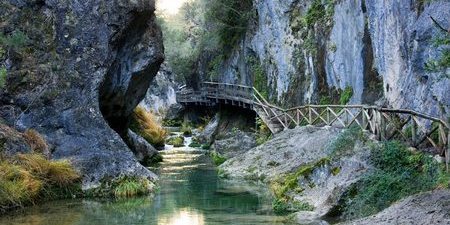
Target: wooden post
[
  {"x": 298, "y": 117},
  {"x": 364, "y": 119},
  {"x": 328, "y": 116},
  {"x": 414, "y": 132},
  {"x": 310, "y": 115}
]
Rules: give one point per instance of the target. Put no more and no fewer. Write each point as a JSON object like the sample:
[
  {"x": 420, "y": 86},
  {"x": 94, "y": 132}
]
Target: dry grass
[
  {"x": 146, "y": 125},
  {"x": 36, "y": 141},
  {"x": 26, "y": 178}
]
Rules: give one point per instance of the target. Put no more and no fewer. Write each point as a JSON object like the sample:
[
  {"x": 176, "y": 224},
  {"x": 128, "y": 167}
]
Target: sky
[{"x": 170, "y": 7}]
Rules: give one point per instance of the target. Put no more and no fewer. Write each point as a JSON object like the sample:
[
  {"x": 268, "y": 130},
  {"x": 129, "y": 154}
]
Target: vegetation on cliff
[
  {"x": 398, "y": 173},
  {"x": 146, "y": 125}
]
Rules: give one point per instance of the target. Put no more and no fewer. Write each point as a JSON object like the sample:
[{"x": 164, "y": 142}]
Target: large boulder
[
  {"x": 235, "y": 144},
  {"x": 84, "y": 67}
]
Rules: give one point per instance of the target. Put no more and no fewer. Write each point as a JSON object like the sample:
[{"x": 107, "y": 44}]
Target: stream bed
[{"x": 190, "y": 193}]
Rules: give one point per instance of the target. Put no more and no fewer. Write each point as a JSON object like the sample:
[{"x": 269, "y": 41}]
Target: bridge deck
[{"x": 413, "y": 128}]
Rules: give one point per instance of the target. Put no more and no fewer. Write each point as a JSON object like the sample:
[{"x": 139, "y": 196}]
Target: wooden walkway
[{"x": 413, "y": 128}]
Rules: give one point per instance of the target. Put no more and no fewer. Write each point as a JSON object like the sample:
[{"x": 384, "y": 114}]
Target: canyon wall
[
  {"x": 81, "y": 69},
  {"x": 314, "y": 51}
]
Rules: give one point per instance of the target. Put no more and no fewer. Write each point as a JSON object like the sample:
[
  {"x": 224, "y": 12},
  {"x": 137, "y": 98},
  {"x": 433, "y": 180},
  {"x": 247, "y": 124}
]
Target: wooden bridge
[{"x": 413, "y": 128}]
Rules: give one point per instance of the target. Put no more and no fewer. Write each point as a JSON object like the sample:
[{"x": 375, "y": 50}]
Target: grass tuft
[
  {"x": 36, "y": 141},
  {"x": 145, "y": 124},
  {"x": 130, "y": 187},
  {"x": 27, "y": 178}
]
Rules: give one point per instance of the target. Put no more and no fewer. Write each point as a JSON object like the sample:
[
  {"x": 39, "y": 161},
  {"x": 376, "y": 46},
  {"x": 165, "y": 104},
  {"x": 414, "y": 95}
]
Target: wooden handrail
[{"x": 385, "y": 123}]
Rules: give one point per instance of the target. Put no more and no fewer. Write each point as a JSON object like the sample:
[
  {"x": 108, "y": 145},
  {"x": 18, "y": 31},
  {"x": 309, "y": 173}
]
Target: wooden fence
[{"x": 414, "y": 128}]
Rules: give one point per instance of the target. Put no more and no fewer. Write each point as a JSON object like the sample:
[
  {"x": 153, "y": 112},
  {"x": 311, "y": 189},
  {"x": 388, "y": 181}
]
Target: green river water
[{"x": 190, "y": 194}]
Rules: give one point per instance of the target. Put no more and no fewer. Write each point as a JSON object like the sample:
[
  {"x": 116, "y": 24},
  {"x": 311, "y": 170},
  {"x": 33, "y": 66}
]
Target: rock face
[
  {"x": 310, "y": 50},
  {"x": 425, "y": 208},
  {"x": 330, "y": 174},
  {"x": 283, "y": 154},
  {"x": 161, "y": 97},
  {"x": 85, "y": 65},
  {"x": 235, "y": 144}
]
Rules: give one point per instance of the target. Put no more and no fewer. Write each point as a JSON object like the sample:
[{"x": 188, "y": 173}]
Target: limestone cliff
[
  {"x": 311, "y": 51},
  {"x": 81, "y": 69}
]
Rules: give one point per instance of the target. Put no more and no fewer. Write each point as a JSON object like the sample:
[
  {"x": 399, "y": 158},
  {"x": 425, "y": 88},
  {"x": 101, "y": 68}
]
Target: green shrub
[
  {"x": 186, "y": 129},
  {"x": 176, "y": 141},
  {"x": 217, "y": 158},
  {"x": 230, "y": 19},
  {"x": 398, "y": 173},
  {"x": 263, "y": 134},
  {"x": 153, "y": 160},
  {"x": 15, "y": 41},
  {"x": 3, "y": 73},
  {"x": 195, "y": 145},
  {"x": 346, "y": 95},
  {"x": 206, "y": 146}
]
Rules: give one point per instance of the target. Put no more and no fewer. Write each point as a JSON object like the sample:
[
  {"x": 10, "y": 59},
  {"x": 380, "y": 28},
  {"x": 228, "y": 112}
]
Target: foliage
[
  {"x": 145, "y": 124},
  {"x": 217, "y": 158},
  {"x": 346, "y": 141},
  {"x": 172, "y": 122},
  {"x": 443, "y": 62},
  {"x": 186, "y": 129},
  {"x": 206, "y": 147},
  {"x": 3, "y": 73},
  {"x": 27, "y": 178},
  {"x": 290, "y": 182},
  {"x": 195, "y": 145},
  {"x": 398, "y": 173},
  {"x": 346, "y": 95},
  {"x": 131, "y": 186},
  {"x": 263, "y": 133},
  {"x": 176, "y": 141},
  {"x": 15, "y": 41},
  {"x": 153, "y": 160},
  {"x": 214, "y": 67},
  {"x": 230, "y": 19},
  {"x": 260, "y": 81},
  {"x": 282, "y": 207}
]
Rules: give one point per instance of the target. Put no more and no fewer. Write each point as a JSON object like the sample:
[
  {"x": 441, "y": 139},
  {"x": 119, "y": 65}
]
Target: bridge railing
[{"x": 415, "y": 129}]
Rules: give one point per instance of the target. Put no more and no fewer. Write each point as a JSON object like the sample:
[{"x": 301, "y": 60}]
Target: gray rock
[
  {"x": 235, "y": 144},
  {"x": 283, "y": 154},
  {"x": 309, "y": 218},
  {"x": 207, "y": 135},
  {"x": 140, "y": 147},
  {"x": 304, "y": 146},
  {"x": 161, "y": 96},
  {"x": 12, "y": 141},
  {"x": 92, "y": 63},
  {"x": 426, "y": 208},
  {"x": 379, "y": 49}
]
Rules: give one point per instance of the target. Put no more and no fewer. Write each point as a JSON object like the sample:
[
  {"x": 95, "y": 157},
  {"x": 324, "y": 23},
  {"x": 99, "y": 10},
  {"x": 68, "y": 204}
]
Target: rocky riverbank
[{"x": 324, "y": 174}]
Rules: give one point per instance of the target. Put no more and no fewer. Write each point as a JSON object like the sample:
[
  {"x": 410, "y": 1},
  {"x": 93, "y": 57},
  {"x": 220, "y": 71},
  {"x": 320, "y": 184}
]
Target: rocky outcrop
[
  {"x": 323, "y": 173},
  {"x": 234, "y": 144},
  {"x": 160, "y": 97},
  {"x": 283, "y": 154},
  {"x": 82, "y": 70},
  {"x": 425, "y": 208},
  {"x": 311, "y": 51}
]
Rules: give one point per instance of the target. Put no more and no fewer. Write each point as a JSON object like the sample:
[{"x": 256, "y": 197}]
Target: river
[{"x": 190, "y": 193}]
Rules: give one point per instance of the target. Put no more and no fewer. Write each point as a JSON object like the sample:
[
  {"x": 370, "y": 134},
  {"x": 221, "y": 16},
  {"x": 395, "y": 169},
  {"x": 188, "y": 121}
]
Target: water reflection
[
  {"x": 190, "y": 194},
  {"x": 183, "y": 217}
]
